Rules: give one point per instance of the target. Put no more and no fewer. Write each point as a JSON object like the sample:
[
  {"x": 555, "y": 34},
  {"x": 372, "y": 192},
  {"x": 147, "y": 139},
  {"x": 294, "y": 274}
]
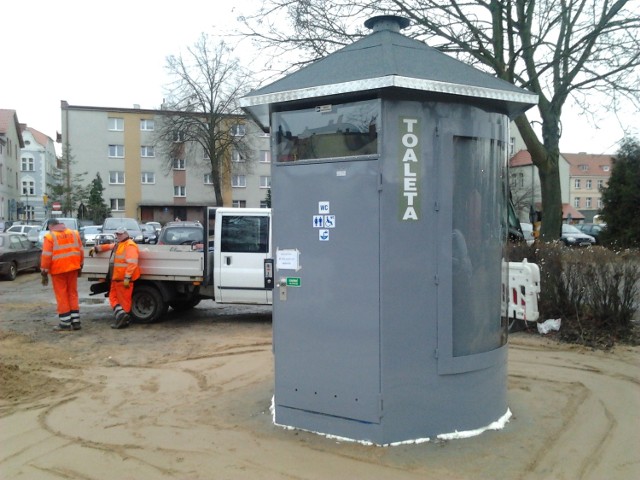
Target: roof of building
[
  {"x": 521, "y": 159},
  {"x": 569, "y": 210},
  {"x": 387, "y": 59},
  {"x": 39, "y": 137},
  {"x": 8, "y": 116},
  {"x": 587, "y": 164}
]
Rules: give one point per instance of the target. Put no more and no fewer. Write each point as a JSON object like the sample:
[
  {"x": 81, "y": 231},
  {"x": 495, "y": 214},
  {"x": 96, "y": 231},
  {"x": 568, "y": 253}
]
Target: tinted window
[
  {"x": 245, "y": 234},
  {"x": 327, "y": 131}
]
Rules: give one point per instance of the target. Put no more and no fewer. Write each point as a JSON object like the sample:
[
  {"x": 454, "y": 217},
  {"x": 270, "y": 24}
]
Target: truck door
[{"x": 241, "y": 247}]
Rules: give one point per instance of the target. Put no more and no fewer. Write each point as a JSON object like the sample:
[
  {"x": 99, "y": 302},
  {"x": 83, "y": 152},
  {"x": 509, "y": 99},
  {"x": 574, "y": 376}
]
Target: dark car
[
  {"x": 111, "y": 224},
  {"x": 181, "y": 233},
  {"x": 149, "y": 233},
  {"x": 593, "y": 229},
  {"x": 17, "y": 253},
  {"x": 572, "y": 237}
]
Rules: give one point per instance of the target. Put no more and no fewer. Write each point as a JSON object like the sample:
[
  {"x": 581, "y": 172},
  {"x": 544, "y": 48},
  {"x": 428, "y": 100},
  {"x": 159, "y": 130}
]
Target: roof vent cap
[{"x": 387, "y": 22}]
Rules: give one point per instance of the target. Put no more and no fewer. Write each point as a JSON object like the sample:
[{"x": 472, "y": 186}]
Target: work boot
[
  {"x": 63, "y": 327},
  {"x": 122, "y": 321},
  {"x": 76, "y": 325}
]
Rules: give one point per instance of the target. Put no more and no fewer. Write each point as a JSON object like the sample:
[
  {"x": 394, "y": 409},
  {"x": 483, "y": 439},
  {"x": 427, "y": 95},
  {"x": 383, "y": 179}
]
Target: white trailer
[{"x": 233, "y": 265}]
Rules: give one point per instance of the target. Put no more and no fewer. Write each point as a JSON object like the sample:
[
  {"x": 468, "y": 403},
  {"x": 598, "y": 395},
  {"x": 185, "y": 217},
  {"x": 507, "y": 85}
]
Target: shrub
[{"x": 595, "y": 291}]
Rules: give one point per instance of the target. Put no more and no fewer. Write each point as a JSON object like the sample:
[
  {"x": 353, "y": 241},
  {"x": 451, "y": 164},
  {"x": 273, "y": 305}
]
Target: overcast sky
[{"x": 113, "y": 54}]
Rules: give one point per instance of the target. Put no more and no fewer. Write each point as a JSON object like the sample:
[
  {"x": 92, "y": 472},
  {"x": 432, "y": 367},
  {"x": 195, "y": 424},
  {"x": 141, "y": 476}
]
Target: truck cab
[{"x": 234, "y": 264}]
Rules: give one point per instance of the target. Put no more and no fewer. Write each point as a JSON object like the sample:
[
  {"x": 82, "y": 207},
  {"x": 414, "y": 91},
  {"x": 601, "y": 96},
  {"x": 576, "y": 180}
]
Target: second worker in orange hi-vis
[
  {"x": 125, "y": 270},
  {"x": 62, "y": 258}
]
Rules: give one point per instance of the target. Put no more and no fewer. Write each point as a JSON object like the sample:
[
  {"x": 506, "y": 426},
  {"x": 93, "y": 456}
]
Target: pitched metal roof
[{"x": 388, "y": 59}]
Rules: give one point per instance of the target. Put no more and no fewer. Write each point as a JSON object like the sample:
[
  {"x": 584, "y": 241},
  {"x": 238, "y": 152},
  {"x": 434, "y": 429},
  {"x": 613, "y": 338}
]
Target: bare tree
[
  {"x": 555, "y": 48},
  {"x": 201, "y": 109}
]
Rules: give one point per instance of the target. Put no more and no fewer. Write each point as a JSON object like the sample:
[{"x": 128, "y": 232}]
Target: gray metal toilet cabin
[{"x": 388, "y": 197}]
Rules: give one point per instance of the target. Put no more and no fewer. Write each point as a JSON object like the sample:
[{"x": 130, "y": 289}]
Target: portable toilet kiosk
[{"x": 389, "y": 225}]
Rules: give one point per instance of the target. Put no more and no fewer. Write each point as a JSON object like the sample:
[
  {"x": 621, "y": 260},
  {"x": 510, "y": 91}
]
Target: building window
[
  {"x": 27, "y": 164},
  {"x": 147, "y": 125},
  {"x": 514, "y": 180},
  {"x": 605, "y": 168},
  {"x": 116, "y": 178},
  {"x": 147, "y": 151},
  {"x": 265, "y": 156},
  {"x": 116, "y": 124},
  {"x": 179, "y": 164},
  {"x": 588, "y": 184},
  {"x": 28, "y": 187},
  {"x": 116, "y": 151},
  {"x": 207, "y": 179},
  {"x": 117, "y": 204},
  {"x": 178, "y": 137},
  {"x": 512, "y": 146},
  {"x": 576, "y": 202},
  {"x": 587, "y": 203},
  {"x": 521, "y": 179},
  {"x": 147, "y": 177},
  {"x": 600, "y": 184},
  {"x": 239, "y": 203},
  {"x": 179, "y": 191},
  {"x": 584, "y": 168},
  {"x": 264, "y": 204},
  {"x": 576, "y": 183},
  {"x": 265, "y": 181},
  {"x": 238, "y": 181},
  {"x": 235, "y": 156},
  {"x": 600, "y": 204},
  {"x": 238, "y": 130}
]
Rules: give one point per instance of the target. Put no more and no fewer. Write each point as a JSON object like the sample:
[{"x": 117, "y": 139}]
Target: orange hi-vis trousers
[
  {"x": 65, "y": 288},
  {"x": 118, "y": 295}
]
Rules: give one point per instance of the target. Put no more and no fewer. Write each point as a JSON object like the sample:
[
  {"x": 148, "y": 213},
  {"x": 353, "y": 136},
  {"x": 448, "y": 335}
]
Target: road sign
[{"x": 56, "y": 205}]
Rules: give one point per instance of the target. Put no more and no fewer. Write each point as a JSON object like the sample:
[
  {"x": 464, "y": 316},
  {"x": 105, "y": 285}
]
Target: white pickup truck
[{"x": 234, "y": 265}]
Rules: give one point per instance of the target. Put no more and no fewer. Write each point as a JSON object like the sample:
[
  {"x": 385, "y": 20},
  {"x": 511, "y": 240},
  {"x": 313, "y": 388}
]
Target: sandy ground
[{"x": 189, "y": 398}]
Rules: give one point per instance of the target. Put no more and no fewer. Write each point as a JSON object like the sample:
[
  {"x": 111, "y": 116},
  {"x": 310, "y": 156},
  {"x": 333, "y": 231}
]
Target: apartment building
[
  {"x": 582, "y": 176},
  {"x": 11, "y": 142},
  {"x": 588, "y": 175},
  {"x": 145, "y": 180},
  {"x": 38, "y": 170}
]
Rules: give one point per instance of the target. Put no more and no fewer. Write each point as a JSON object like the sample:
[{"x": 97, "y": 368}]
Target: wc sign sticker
[{"x": 409, "y": 164}]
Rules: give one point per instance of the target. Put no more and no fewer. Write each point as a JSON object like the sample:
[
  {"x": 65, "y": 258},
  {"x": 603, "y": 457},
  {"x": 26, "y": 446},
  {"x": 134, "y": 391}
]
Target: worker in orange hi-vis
[
  {"x": 124, "y": 265},
  {"x": 62, "y": 258}
]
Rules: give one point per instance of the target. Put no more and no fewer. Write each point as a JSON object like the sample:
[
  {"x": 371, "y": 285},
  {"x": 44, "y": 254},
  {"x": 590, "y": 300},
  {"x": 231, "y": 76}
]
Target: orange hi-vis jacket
[
  {"x": 61, "y": 251},
  {"x": 125, "y": 259}
]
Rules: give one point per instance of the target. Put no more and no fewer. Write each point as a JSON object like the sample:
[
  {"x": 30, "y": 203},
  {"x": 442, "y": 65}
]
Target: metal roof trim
[{"x": 386, "y": 82}]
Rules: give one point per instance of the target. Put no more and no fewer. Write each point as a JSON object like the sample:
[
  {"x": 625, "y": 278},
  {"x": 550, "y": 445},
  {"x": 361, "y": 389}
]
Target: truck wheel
[
  {"x": 147, "y": 305},
  {"x": 184, "y": 305}
]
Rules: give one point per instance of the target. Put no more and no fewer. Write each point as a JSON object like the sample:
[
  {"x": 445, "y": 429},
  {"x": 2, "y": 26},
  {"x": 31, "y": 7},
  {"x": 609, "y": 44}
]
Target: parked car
[
  {"x": 23, "y": 229},
  {"x": 17, "y": 253},
  {"x": 111, "y": 224},
  {"x": 572, "y": 237},
  {"x": 156, "y": 225},
  {"x": 149, "y": 233},
  {"x": 88, "y": 234},
  {"x": 593, "y": 229},
  {"x": 527, "y": 231},
  {"x": 71, "y": 223},
  {"x": 181, "y": 233}
]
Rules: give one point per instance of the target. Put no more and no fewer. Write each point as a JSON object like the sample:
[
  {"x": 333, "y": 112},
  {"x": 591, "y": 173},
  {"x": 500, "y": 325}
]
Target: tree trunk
[{"x": 546, "y": 158}]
